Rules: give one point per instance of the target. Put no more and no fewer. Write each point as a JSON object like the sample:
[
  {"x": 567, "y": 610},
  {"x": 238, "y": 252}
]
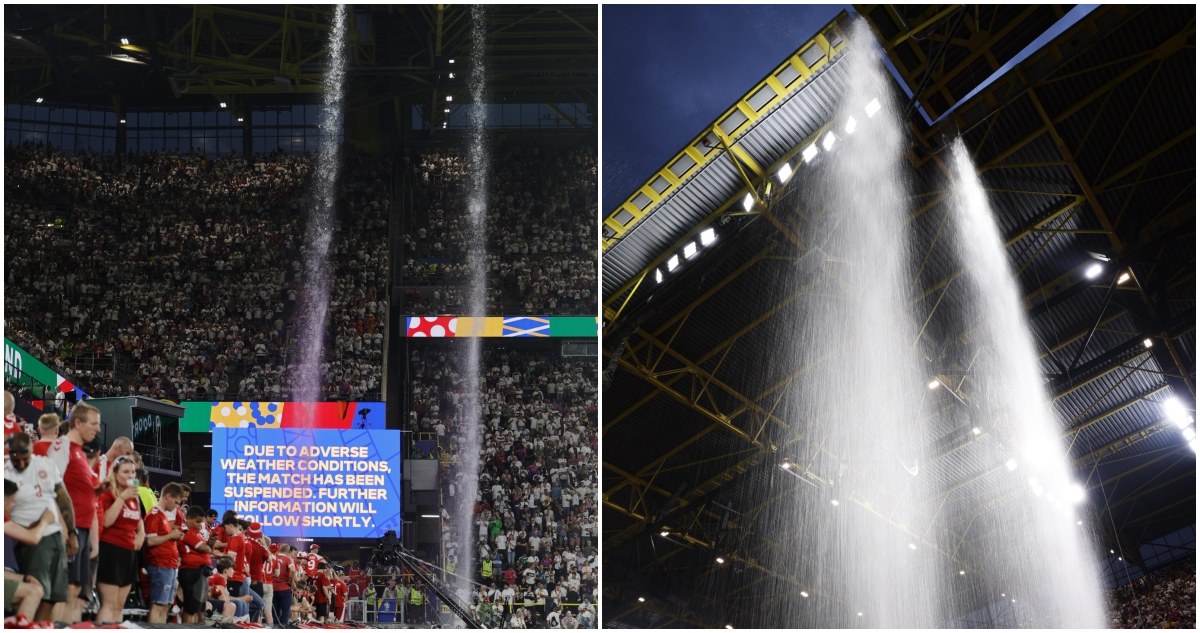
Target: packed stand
[
  {"x": 1165, "y": 599},
  {"x": 536, "y": 507},
  {"x": 540, "y": 228},
  {"x": 193, "y": 294}
]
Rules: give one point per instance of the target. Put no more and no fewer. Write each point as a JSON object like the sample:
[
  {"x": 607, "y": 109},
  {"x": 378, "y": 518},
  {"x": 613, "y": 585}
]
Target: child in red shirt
[{"x": 193, "y": 556}]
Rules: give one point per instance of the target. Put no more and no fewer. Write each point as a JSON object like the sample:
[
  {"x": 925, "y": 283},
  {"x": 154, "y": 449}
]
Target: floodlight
[
  {"x": 1079, "y": 523},
  {"x": 785, "y": 465},
  {"x": 834, "y": 502},
  {"x": 125, "y": 41},
  {"x": 976, "y": 431},
  {"x": 803, "y": 594},
  {"x": 446, "y": 110},
  {"x": 222, "y": 104},
  {"x": 1011, "y": 464},
  {"x": 962, "y": 572},
  {"x": 720, "y": 561},
  {"x": 748, "y": 202},
  {"x": 1189, "y": 433},
  {"x": 658, "y": 276},
  {"x": 452, "y": 75},
  {"x": 673, "y": 263},
  {"x": 912, "y": 546},
  {"x": 873, "y": 107},
  {"x": 860, "y": 614},
  {"x": 664, "y": 534},
  {"x": 452, "y": 61},
  {"x": 122, "y": 120},
  {"x": 708, "y": 236},
  {"x": 640, "y": 599},
  {"x": 1192, "y": 444},
  {"x": 449, "y": 98},
  {"x": 1094, "y": 271},
  {"x": 934, "y": 384},
  {"x": 828, "y": 141},
  {"x": 689, "y": 250},
  {"x": 851, "y": 125},
  {"x": 240, "y": 119},
  {"x": 39, "y": 100},
  {"x": 1148, "y": 343},
  {"x": 1076, "y": 494},
  {"x": 810, "y": 153},
  {"x": 784, "y": 173},
  {"x": 729, "y": 626},
  {"x": 1037, "y": 488},
  {"x": 1123, "y": 278},
  {"x": 1175, "y": 411}
]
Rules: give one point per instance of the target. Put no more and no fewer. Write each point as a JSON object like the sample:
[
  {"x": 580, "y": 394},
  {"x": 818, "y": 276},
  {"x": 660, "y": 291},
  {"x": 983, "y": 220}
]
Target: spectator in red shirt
[
  {"x": 218, "y": 592},
  {"x": 121, "y": 536},
  {"x": 241, "y": 573},
  {"x": 313, "y": 560},
  {"x": 340, "y": 591},
  {"x": 162, "y": 552},
  {"x": 259, "y": 558},
  {"x": 11, "y": 425},
  {"x": 48, "y": 432},
  {"x": 193, "y": 556},
  {"x": 322, "y": 588}
]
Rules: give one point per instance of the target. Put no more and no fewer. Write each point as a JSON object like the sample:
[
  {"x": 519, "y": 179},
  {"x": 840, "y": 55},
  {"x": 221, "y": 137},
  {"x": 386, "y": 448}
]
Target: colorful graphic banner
[
  {"x": 17, "y": 360},
  {"x": 309, "y": 482},
  {"x": 502, "y": 326},
  {"x": 202, "y": 417}
]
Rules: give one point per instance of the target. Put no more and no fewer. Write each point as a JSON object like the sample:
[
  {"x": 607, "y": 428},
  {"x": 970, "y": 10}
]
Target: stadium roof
[
  {"x": 173, "y": 56},
  {"x": 1085, "y": 146}
]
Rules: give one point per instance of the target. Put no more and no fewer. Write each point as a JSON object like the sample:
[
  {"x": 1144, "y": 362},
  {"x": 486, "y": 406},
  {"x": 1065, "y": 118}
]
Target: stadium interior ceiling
[
  {"x": 1087, "y": 145},
  {"x": 162, "y": 57}
]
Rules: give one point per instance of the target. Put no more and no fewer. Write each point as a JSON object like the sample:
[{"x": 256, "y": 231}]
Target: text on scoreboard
[{"x": 309, "y": 482}]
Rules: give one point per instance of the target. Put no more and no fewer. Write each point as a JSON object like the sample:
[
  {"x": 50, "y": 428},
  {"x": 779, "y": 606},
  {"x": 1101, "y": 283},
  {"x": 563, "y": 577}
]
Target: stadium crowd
[
  {"x": 540, "y": 228},
  {"x": 194, "y": 294},
  {"x": 1165, "y": 599},
  {"x": 81, "y": 521},
  {"x": 536, "y": 506}
]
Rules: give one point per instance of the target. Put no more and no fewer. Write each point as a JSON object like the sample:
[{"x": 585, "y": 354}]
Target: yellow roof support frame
[{"x": 781, "y": 83}]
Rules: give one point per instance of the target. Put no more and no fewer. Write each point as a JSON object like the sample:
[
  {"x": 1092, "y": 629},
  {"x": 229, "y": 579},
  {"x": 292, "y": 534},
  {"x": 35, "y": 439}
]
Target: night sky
[{"x": 669, "y": 71}]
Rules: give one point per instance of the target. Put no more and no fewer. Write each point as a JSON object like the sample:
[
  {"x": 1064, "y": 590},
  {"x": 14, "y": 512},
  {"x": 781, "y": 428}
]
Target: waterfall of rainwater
[
  {"x": 1040, "y": 553},
  {"x": 476, "y": 299},
  {"x": 322, "y": 219}
]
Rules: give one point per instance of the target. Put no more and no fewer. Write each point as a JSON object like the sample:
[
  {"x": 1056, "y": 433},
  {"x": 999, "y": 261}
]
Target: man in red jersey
[
  {"x": 340, "y": 591},
  {"x": 121, "y": 447},
  {"x": 48, "y": 426},
  {"x": 162, "y": 552},
  {"x": 314, "y": 560},
  {"x": 193, "y": 556},
  {"x": 322, "y": 588},
  {"x": 258, "y": 556},
  {"x": 67, "y": 453},
  {"x": 285, "y": 572}
]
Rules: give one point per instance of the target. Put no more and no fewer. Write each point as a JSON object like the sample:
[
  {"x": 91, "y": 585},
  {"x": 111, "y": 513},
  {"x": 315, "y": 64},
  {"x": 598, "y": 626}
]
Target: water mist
[
  {"x": 1039, "y": 549},
  {"x": 322, "y": 219}
]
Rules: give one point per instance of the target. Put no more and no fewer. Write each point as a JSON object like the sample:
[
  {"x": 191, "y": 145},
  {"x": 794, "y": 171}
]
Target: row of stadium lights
[{"x": 784, "y": 174}]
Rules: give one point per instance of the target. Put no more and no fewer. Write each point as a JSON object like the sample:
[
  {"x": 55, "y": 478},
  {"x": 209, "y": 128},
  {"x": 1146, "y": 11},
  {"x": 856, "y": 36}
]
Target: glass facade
[
  {"x": 211, "y": 133},
  {"x": 509, "y": 116},
  {"x": 69, "y": 129},
  {"x": 294, "y": 130}
]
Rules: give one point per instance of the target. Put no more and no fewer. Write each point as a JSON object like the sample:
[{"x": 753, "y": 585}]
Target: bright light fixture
[
  {"x": 640, "y": 599},
  {"x": 1003, "y": 596},
  {"x": 1037, "y": 488},
  {"x": 39, "y": 100},
  {"x": 803, "y": 594},
  {"x": 208, "y": 446},
  {"x": 1011, "y": 464},
  {"x": 912, "y": 546},
  {"x": 720, "y": 561},
  {"x": 933, "y": 384},
  {"x": 1123, "y": 278},
  {"x": 193, "y": 481},
  {"x": 125, "y": 41},
  {"x": 122, "y": 120},
  {"x": 729, "y": 626},
  {"x": 962, "y": 572},
  {"x": 1014, "y": 599},
  {"x": 873, "y": 107},
  {"x": 1175, "y": 411},
  {"x": 1079, "y": 523},
  {"x": 446, "y": 110},
  {"x": 748, "y": 202},
  {"x": 851, "y": 125},
  {"x": 784, "y": 173},
  {"x": 835, "y": 502},
  {"x": 1094, "y": 271},
  {"x": 658, "y": 276},
  {"x": 810, "y": 153},
  {"x": 452, "y": 75},
  {"x": 664, "y": 534},
  {"x": 1148, "y": 343},
  {"x": 222, "y": 104},
  {"x": 708, "y": 236},
  {"x": 1076, "y": 494},
  {"x": 860, "y": 614},
  {"x": 689, "y": 250},
  {"x": 976, "y": 431},
  {"x": 430, "y": 516},
  {"x": 449, "y": 98},
  {"x": 673, "y": 263},
  {"x": 1189, "y": 433},
  {"x": 785, "y": 466},
  {"x": 452, "y": 61},
  {"x": 828, "y": 141},
  {"x": 1119, "y": 558},
  {"x": 1192, "y": 444},
  {"x": 240, "y": 119}
]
